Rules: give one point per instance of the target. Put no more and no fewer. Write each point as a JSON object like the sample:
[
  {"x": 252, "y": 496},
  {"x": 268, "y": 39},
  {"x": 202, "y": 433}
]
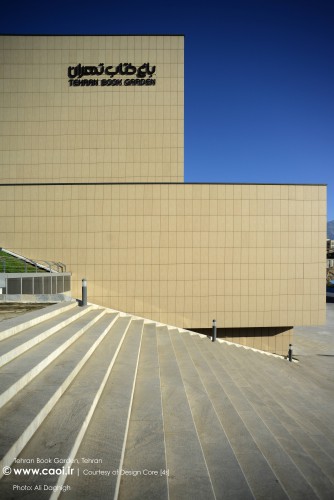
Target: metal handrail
[{"x": 43, "y": 265}]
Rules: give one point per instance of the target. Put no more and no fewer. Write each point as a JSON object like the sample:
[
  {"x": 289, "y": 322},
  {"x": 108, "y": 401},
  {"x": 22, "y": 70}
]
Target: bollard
[
  {"x": 290, "y": 352},
  {"x": 84, "y": 292},
  {"x": 214, "y": 330}
]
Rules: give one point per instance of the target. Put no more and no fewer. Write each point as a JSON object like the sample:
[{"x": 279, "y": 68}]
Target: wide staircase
[{"x": 97, "y": 404}]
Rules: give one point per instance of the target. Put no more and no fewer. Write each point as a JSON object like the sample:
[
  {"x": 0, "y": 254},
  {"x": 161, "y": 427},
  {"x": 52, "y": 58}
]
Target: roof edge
[
  {"x": 92, "y": 34},
  {"x": 156, "y": 184}
]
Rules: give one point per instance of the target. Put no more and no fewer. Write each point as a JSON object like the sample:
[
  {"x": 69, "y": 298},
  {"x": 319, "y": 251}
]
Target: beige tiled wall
[
  {"x": 247, "y": 255},
  {"x": 250, "y": 256},
  {"x": 51, "y": 132}
]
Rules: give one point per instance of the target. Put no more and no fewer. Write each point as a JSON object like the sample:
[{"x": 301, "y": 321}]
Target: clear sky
[{"x": 259, "y": 78}]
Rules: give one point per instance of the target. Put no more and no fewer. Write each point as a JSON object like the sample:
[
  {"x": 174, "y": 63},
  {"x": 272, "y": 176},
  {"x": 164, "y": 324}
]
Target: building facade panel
[
  {"x": 91, "y": 108},
  {"x": 246, "y": 255},
  {"x": 91, "y": 174}
]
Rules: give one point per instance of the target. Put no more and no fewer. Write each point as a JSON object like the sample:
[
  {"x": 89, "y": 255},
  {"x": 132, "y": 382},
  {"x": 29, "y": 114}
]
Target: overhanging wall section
[{"x": 247, "y": 255}]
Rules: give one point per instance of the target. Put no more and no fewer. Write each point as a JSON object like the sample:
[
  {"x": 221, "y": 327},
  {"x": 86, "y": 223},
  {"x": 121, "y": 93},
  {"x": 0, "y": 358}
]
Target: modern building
[{"x": 92, "y": 175}]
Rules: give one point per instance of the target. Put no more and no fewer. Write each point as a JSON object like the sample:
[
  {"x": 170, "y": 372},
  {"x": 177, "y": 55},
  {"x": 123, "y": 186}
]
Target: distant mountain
[{"x": 330, "y": 229}]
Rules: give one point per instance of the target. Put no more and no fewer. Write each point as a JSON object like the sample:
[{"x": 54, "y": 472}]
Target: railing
[
  {"x": 35, "y": 283},
  {"x": 53, "y": 267},
  {"x": 12, "y": 262}
]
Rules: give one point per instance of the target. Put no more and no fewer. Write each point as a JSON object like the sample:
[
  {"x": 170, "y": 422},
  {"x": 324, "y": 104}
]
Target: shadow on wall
[{"x": 270, "y": 339}]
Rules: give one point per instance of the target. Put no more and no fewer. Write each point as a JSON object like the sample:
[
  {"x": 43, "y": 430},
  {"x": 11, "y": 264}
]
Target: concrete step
[
  {"x": 300, "y": 401},
  {"x": 145, "y": 446},
  {"x": 23, "y": 414},
  {"x": 19, "y": 372},
  {"x": 62, "y": 432},
  {"x": 287, "y": 458},
  {"x": 227, "y": 477},
  {"x": 188, "y": 470},
  {"x": 306, "y": 427},
  {"x": 178, "y": 415},
  {"x": 16, "y": 345},
  {"x": 15, "y": 325},
  {"x": 304, "y": 450},
  {"x": 231, "y": 357},
  {"x": 300, "y": 391},
  {"x": 106, "y": 436},
  {"x": 252, "y": 462}
]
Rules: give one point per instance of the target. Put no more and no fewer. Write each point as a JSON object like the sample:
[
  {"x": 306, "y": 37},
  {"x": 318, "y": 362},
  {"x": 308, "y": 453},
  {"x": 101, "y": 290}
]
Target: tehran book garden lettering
[{"x": 141, "y": 75}]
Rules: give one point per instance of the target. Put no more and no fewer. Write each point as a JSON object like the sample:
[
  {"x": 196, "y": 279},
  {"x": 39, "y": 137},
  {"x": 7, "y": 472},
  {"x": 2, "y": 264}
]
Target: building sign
[{"x": 141, "y": 75}]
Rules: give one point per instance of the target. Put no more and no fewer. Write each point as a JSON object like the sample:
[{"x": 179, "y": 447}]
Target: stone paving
[
  {"x": 316, "y": 340},
  {"x": 9, "y": 310},
  {"x": 314, "y": 348},
  {"x": 185, "y": 418}
]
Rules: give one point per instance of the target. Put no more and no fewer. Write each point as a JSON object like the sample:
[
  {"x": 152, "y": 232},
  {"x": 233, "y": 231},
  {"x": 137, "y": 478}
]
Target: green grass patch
[{"x": 10, "y": 264}]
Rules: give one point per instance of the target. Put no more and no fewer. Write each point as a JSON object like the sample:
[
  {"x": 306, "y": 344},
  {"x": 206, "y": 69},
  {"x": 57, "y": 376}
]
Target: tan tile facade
[
  {"x": 51, "y": 131},
  {"x": 247, "y": 255},
  {"x": 250, "y": 256}
]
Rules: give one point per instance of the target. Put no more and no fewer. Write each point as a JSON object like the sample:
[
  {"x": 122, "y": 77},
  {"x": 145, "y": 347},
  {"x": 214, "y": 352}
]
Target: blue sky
[{"x": 259, "y": 79}]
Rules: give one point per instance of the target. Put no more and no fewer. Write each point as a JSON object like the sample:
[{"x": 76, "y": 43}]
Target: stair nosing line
[
  {"x": 6, "y": 334},
  {"x": 215, "y": 410},
  {"x": 119, "y": 476},
  {"x": 192, "y": 416},
  {"x": 30, "y": 431},
  {"x": 37, "y": 369},
  {"x": 162, "y": 411},
  {"x": 81, "y": 434},
  {"x": 289, "y": 433},
  {"x": 194, "y": 424},
  {"x": 17, "y": 351},
  {"x": 255, "y": 440}
]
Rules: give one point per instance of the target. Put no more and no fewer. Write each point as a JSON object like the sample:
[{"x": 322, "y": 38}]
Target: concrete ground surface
[
  {"x": 10, "y": 310},
  {"x": 146, "y": 411},
  {"x": 314, "y": 348},
  {"x": 316, "y": 340}
]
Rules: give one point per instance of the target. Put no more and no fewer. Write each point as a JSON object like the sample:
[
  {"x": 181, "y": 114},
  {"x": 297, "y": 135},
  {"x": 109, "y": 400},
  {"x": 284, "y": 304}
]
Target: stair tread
[
  {"x": 44, "y": 391},
  {"x": 188, "y": 470},
  {"x": 302, "y": 399},
  {"x": 294, "y": 439},
  {"x": 180, "y": 415},
  {"x": 253, "y": 463},
  {"x": 105, "y": 435},
  {"x": 15, "y": 345},
  {"x": 314, "y": 440},
  {"x": 228, "y": 480},
  {"x": 13, "y": 372},
  {"x": 288, "y": 459},
  {"x": 12, "y": 326},
  {"x": 145, "y": 448}
]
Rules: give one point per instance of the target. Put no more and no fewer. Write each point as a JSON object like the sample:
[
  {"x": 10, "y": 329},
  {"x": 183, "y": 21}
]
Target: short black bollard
[
  {"x": 214, "y": 330},
  {"x": 84, "y": 292},
  {"x": 290, "y": 352}
]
